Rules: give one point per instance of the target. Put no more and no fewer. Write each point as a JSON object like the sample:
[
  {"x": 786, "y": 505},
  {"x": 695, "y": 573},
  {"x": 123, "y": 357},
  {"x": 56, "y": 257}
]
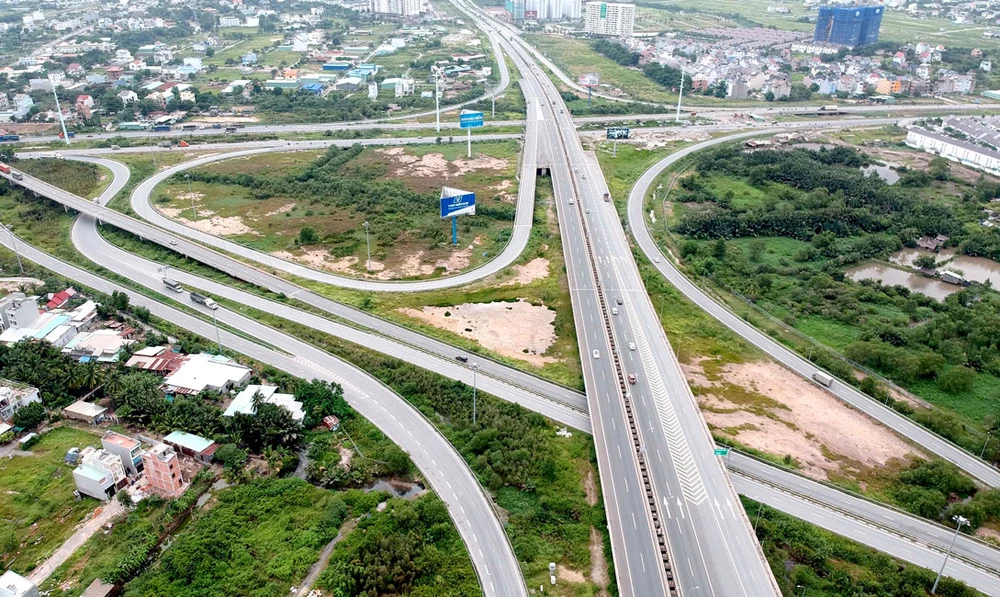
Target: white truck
[{"x": 823, "y": 379}]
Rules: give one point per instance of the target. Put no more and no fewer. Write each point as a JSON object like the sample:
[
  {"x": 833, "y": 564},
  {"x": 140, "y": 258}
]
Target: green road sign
[{"x": 722, "y": 451}]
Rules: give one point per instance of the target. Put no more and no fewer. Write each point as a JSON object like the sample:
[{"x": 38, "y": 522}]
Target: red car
[{"x": 631, "y": 378}]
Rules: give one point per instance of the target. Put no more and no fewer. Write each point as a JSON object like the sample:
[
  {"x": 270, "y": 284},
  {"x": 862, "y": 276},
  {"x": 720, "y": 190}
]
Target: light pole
[
  {"x": 960, "y": 520},
  {"x": 663, "y": 205},
  {"x": 475, "y": 367},
  {"x": 986, "y": 443},
  {"x": 13, "y": 243},
  {"x": 369, "y": 245},
  {"x": 803, "y": 593},
  {"x": 437, "y": 99},
  {"x": 680, "y": 94},
  {"x": 194, "y": 210},
  {"x": 218, "y": 339}
]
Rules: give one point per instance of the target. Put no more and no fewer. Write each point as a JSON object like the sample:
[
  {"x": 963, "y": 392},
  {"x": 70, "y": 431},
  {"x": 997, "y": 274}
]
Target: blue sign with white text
[
  {"x": 469, "y": 120},
  {"x": 459, "y": 205}
]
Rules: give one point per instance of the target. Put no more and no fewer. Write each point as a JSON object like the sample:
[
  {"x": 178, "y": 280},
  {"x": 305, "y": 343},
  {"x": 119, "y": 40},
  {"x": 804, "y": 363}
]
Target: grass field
[
  {"x": 37, "y": 506},
  {"x": 404, "y": 244},
  {"x": 896, "y": 26}
]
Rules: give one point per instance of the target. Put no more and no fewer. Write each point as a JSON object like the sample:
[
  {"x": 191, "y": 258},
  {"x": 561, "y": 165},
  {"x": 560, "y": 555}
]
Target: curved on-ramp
[
  {"x": 443, "y": 467},
  {"x": 904, "y": 426}
]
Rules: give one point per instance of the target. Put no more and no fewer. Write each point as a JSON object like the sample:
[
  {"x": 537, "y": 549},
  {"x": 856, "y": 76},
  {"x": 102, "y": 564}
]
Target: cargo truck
[
  {"x": 823, "y": 379},
  {"x": 4, "y": 168},
  {"x": 204, "y": 300},
  {"x": 17, "y": 176}
]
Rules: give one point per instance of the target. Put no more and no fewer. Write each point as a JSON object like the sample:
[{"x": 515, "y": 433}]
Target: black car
[
  {"x": 618, "y": 300},
  {"x": 462, "y": 359}
]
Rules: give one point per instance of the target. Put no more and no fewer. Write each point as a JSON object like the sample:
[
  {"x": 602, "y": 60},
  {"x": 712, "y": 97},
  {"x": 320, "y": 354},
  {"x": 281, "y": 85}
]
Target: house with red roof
[{"x": 60, "y": 298}]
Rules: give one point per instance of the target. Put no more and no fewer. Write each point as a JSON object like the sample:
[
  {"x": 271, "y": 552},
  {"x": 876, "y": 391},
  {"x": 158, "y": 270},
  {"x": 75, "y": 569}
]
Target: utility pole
[
  {"x": 194, "y": 210},
  {"x": 13, "y": 243},
  {"x": 62, "y": 120},
  {"x": 680, "y": 94},
  {"x": 475, "y": 367},
  {"x": 960, "y": 520},
  {"x": 437, "y": 99},
  {"x": 493, "y": 98},
  {"x": 369, "y": 245},
  {"x": 983, "y": 451}
]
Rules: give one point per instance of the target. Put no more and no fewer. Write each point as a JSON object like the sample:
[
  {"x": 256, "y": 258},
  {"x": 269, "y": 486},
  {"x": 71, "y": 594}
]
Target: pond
[
  {"x": 400, "y": 489},
  {"x": 890, "y": 276},
  {"x": 976, "y": 269},
  {"x": 886, "y": 173}
]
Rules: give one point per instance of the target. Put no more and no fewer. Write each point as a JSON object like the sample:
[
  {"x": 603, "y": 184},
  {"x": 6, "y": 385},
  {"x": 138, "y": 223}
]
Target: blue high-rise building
[{"x": 849, "y": 25}]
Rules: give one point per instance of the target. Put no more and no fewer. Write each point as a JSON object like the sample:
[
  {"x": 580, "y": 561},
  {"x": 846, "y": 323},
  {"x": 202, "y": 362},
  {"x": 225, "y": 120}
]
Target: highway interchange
[{"x": 709, "y": 537}]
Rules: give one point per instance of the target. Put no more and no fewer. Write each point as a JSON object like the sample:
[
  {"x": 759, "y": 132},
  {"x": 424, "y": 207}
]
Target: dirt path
[
  {"x": 324, "y": 558},
  {"x": 84, "y": 531}
]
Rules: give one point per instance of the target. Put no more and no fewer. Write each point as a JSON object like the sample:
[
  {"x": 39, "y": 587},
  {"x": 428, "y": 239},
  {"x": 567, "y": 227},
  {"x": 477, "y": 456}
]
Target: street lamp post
[
  {"x": 194, "y": 210},
  {"x": 475, "y": 367},
  {"x": 803, "y": 593},
  {"x": 986, "y": 443},
  {"x": 663, "y": 205},
  {"x": 960, "y": 520},
  {"x": 218, "y": 338},
  {"x": 369, "y": 245}
]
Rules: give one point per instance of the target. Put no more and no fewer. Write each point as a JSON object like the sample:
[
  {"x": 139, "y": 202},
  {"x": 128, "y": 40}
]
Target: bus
[{"x": 173, "y": 284}]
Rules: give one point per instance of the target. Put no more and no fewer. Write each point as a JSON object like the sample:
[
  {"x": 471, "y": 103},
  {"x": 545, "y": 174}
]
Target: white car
[
  {"x": 631, "y": 345},
  {"x": 656, "y": 259},
  {"x": 588, "y": 210},
  {"x": 571, "y": 202},
  {"x": 173, "y": 242},
  {"x": 597, "y": 355},
  {"x": 614, "y": 310}
]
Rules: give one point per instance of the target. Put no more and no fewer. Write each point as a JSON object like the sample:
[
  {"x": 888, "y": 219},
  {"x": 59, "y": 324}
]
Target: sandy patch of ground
[
  {"x": 517, "y": 330},
  {"x": 283, "y": 209},
  {"x": 989, "y": 535},
  {"x": 598, "y": 565},
  {"x": 321, "y": 259},
  {"x": 435, "y": 164},
  {"x": 590, "y": 488},
  {"x": 569, "y": 575},
  {"x": 213, "y": 224},
  {"x": 13, "y": 284},
  {"x": 771, "y": 409},
  {"x": 413, "y": 264},
  {"x": 345, "y": 457},
  {"x": 536, "y": 269}
]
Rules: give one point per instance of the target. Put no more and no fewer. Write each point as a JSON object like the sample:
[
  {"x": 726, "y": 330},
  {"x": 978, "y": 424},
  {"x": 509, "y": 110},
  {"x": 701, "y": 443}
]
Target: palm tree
[{"x": 91, "y": 375}]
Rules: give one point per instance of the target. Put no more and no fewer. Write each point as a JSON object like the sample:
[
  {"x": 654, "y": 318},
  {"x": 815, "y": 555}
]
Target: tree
[
  {"x": 925, "y": 262},
  {"x": 308, "y": 236},
  {"x": 939, "y": 168},
  {"x": 232, "y": 457},
  {"x": 957, "y": 380},
  {"x": 757, "y": 248},
  {"x": 30, "y": 416}
]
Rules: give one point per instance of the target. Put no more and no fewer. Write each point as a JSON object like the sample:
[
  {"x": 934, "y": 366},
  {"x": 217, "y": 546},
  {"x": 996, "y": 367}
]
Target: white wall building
[
  {"x": 13, "y": 584},
  {"x": 243, "y": 403},
  {"x": 609, "y": 18},
  {"x": 18, "y": 311},
  {"x": 399, "y": 8},
  {"x": 206, "y": 372},
  {"x": 955, "y": 150},
  {"x": 14, "y": 396}
]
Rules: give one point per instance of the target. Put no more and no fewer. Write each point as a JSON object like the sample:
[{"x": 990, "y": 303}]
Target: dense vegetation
[
  {"x": 828, "y": 565},
  {"x": 257, "y": 540},
  {"x": 780, "y": 227},
  {"x": 939, "y": 490},
  {"x": 410, "y": 548}
]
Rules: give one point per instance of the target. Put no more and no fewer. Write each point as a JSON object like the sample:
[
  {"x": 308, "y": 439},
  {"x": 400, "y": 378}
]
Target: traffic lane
[
  {"x": 966, "y": 546},
  {"x": 435, "y": 457},
  {"x": 968, "y": 462},
  {"x": 872, "y": 536},
  {"x": 702, "y": 471},
  {"x": 620, "y": 479}
]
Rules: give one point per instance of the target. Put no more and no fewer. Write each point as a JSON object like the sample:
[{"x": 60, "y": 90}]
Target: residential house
[
  {"x": 114, "y": 73},
  {"x": 23, "y": 104},
  {"x": 18, "y": 311},
  {"x": 104, "y": 346},
  {"x": 156, "y": 359},
  {"x": 244, "y": 401},
  {"x": 4, "y": 101},
  {"x": 195, "y": 446},
  {"x": 84, "y": 104},
  {"x": 127, "y": 449},
  {"x": 15, "y": 396},
  {"x": 206, "y": 373},
  {"x": 956, "y": 150},
  {"x": 60, "y": 298},
  {"x": 13, "y": 584},
  {"x": 96, "y": 79},
  {"x": 75, "y": 70},
  {"x": 163, "y": 470},
  {"x": 128, "y": 96},
  {"x": 194, "y": 62},
  {"x": 87, "y": 412},
  {"x": 100, "y": 475}
]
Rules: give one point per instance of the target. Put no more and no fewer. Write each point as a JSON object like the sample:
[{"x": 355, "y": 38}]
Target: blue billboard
[
  {"x": 469, "y": 120},
  {"x": 458, "y": 205}
]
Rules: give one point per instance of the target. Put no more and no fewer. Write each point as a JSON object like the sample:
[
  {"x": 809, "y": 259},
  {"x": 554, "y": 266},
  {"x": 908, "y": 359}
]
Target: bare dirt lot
[
  {"x": 517, "y": 330},
  {"x": 435, "y": 164},
  {"x": 771, "y": 409},
  {"x": 536, "y": 269}
]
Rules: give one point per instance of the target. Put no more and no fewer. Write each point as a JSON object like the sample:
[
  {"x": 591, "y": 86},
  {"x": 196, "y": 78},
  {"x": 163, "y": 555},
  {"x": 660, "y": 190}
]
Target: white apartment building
[
  {"x": 609, "y": 18},
  {"x": 14, "y": 396},
  {"x": 397, "y": 8},
  {"x": 18, "y": 311}
]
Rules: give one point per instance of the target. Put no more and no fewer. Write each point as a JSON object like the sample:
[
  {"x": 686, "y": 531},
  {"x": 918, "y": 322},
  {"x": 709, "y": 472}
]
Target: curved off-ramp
[{"x": 638, "y": 224}]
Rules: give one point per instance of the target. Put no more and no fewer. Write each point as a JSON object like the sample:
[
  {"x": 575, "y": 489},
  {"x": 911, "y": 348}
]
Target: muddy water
[
  {"x": 891, "y": 276},
  {"x": 976, "y": 269},
  {"x": 886, "y": 173}
]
